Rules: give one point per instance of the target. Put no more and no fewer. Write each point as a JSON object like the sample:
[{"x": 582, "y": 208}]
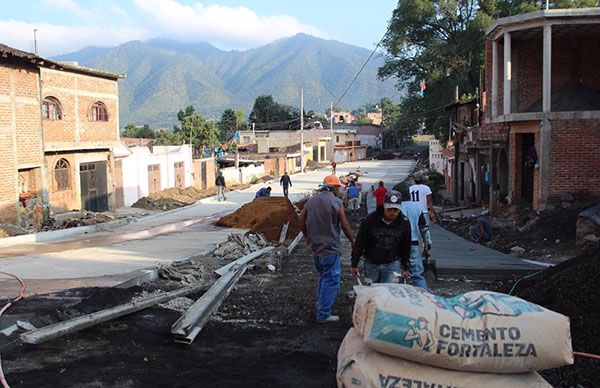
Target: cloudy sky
[{"x": 68, "y": 25}]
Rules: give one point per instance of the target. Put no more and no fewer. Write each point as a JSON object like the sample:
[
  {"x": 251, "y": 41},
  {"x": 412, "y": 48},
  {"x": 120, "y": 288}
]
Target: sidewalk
[{"x": 457, "y": 256}]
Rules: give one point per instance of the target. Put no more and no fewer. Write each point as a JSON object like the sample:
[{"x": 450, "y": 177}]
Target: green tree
[
  {"x": 131, "y": 130},
  {"x": 228, "y": 123},
  {"x": 194, "y": 129},
  {"x": 165, "y": 137},
  {"x": 268, "y": 114},
  {"x": 241, "y": 122}
]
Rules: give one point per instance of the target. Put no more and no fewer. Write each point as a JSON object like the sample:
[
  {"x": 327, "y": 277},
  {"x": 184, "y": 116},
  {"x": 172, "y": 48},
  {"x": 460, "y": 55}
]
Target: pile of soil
[
  {"x": 571, "y": 288},
  {"x": 173, "y": 198},
  {"x": 7, "y": 230},
  {"x": 266, "y": 216}
]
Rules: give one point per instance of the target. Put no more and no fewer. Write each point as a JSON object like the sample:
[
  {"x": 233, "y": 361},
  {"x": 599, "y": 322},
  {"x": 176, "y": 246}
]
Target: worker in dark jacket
[
  {"x": 263, "y": 192},
  {"x": 384, "y": 239},
  {"x": 220, "y": 183},
  {"x": 286, "y": 182}
]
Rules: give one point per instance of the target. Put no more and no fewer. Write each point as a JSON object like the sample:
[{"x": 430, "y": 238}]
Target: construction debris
[
  {"x": 173, "y": 198},
  {"x": 239, "y": 245},
  {"x": 266, "y": 216}
]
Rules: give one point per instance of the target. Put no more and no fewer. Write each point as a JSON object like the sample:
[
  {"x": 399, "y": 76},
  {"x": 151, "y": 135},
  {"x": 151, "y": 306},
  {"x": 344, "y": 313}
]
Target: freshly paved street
[{"x": 113, "y": 255}]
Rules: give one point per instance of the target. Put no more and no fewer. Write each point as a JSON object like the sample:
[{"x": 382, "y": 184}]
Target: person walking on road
[
  {"x": 220, "y": 183},
  {"x": 322, "y": 218},
  {"x": 286, "y": 182},
  {"x": 421, "y": 193},
  {"x": 333, "y": 167},
  {"x": 384, "y": 239},
  {"x": 480, "y": 229},
  {"x": 417, "y": 219},
  {"x": 379, "y": 194},
  {"x": 353, "y": 195},
  {"x": 263, "y": 192}
]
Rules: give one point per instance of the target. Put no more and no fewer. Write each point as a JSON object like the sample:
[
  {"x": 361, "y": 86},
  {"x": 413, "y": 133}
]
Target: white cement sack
[
  {"x": 359, "y": 366},
  {"x": 477, "y": 331}
]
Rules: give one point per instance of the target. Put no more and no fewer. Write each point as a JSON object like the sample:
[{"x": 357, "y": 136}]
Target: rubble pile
[
  {"x": 351, "y": 176},
  {"x": 187, "y": 272},
  {"x": 172, "y": 198},
  {"x": 237, "y": 246},
  {"x": 7, "y": 230},
  {"x": 265, "y": 216}
]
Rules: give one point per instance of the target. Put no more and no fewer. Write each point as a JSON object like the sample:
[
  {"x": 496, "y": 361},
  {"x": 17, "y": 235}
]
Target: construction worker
[
  {"x": 220, "y": 183},
  {"x": 421, "y": 193},
  {"x": 417, "y": 218},
  {"x": 379, "y": 194},
  {"x": 263, "y": 192},
  {"x": 353, "y": 196},
  {"x": 322, "y": 218},
  {"x": 384, "y": 239},
  {"x": 286, "y": 182},
  {"x": 480, "y": 230}
]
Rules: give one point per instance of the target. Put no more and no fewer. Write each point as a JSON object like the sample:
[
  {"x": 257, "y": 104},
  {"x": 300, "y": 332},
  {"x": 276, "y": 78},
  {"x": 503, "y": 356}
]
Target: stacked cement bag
[
  {"x": 359, "y": 366},
  {"x": 477, "y": 331}
]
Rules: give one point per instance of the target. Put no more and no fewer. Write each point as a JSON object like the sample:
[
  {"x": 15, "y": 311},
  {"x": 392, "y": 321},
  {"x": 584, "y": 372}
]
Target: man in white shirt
[{"x": 421, "y": 193}]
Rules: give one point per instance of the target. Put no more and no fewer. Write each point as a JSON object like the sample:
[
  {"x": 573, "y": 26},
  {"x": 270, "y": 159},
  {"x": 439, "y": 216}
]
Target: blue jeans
[
  {"x": 285, "y": 190},
  {"x": 382, "y": 273},
  {"x": 329, "y": 283},
  {"x": 416, "y": 268}
]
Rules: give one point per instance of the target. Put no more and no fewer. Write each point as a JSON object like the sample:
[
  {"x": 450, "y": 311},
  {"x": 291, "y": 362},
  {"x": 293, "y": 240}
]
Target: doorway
[
  {"x": 528, "y": 152},
  {"x": 93, "y": 186}
]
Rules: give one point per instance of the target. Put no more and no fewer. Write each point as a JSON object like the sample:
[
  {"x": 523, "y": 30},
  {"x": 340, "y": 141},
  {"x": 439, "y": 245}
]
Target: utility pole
[
  {"x": 35, "y": 48},
  {"x": 331, "y": 155},
  {"x": 302, "y": 128}
]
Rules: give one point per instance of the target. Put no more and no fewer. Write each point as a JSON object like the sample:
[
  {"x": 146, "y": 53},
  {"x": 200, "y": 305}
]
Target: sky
[{"x": 65, "y": 26}]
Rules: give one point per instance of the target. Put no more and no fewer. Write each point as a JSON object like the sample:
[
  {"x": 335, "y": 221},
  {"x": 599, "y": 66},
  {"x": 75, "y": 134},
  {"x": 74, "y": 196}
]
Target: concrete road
[{"x": 115, "y": 255}]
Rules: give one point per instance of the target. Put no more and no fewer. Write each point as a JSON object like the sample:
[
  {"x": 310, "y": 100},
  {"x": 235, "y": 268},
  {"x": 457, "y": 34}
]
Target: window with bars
[
  {"x": 51, "y": 109},
  {"x": 62, "y": 175},
  {"x": 99, "y": 112}
]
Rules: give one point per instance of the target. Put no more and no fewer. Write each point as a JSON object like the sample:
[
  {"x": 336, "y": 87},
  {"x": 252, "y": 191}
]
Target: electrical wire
[
  {"x": 362, "y": 67},
  {"x": 588, "y": 355},
  {"x": 6, "y": 306}
]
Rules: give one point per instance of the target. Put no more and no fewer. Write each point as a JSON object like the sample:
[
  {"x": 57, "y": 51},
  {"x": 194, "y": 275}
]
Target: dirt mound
[
  {"x": 172, "y": 198},
  {"x": 7, "y": 230},
  {"x": 571, "y": 288},
  {"x": 265, "y": 216}
]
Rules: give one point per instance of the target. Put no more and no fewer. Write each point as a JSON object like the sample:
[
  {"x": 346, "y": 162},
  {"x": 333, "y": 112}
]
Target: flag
[
  {"x": 235, "y": 138},
  {"x": 422, "y": 87}
]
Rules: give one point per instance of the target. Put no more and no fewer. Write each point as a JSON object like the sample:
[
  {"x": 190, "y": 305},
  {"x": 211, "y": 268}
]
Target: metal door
[
  {"x": 153, "y": 178},
  {"x": 204, "y": 175},
  {"x": 92, "y": 177},
  {"x": 179, "y": 175},
  {"x": 119, "y": 192}
]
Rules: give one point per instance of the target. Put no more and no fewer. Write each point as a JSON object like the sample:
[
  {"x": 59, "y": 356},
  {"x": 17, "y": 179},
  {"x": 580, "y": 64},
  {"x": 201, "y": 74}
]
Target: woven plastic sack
[
  {"x": 477, "y": 331},
  {"x": 359, "y": 366}
]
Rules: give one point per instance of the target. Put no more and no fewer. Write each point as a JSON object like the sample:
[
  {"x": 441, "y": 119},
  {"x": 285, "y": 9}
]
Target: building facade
[{"x": 59, "y": 123}]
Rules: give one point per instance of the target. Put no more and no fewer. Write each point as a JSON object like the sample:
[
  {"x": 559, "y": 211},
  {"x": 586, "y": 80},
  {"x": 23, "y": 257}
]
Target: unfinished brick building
[
  {"x": 58, "y": 124},
  {"x": 542, "y": 105}
]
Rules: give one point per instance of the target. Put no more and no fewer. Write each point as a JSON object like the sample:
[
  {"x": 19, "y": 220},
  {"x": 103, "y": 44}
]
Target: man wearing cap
[
  {"x": 322, "y": 219},
  {"x": 384, "y": 239}
]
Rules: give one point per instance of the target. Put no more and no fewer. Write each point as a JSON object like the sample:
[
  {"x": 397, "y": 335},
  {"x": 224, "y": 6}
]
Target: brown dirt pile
[
  {"x": 571, "y": 288},
  {"x": 172, "y": 198},
  {"x": 265, "y": 216}
]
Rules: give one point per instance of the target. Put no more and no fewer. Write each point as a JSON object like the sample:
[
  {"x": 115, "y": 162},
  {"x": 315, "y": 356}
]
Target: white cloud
[
  {"x": 56, "y": 39},
  {"x": 237, "y": 27},
  {"x": 107, "y": 23}
]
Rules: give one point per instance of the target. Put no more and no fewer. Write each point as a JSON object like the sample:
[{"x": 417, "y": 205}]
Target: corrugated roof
[{"x": 7, "y": 52}]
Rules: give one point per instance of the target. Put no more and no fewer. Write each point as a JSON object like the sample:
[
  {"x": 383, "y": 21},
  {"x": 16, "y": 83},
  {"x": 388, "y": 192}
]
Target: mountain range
[{"x": 164, "y": 76}]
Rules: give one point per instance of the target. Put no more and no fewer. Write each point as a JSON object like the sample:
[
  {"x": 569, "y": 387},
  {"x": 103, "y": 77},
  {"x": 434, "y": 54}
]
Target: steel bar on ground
[
  {"x": 294, "y": 243},
  {"x": 284, "y": 230},
  {"x": 189, "y": 325},
  {"x": 72, "y": 325},
  {"x": 243, "y": 260}
]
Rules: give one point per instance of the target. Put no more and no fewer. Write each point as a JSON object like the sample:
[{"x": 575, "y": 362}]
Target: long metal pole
[
  {"x": 331, "y": 152},
  {"x": 302, "y": 128}
]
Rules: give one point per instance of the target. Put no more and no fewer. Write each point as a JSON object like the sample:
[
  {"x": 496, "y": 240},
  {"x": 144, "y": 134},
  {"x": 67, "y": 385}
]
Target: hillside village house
[
  {"x": 543, "y": 104},
  {"x": 58, "y": 124}
]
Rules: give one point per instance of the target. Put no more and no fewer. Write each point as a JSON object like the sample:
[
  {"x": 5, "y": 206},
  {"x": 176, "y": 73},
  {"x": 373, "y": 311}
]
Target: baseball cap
[
  {"x": 332, "y": 180},
  {"x": 392, "y": 200}
]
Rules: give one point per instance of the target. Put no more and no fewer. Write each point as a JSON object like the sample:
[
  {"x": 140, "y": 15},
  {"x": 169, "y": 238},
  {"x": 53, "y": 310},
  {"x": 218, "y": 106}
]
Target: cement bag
[
  {"x": 359, "y": 366},
  {"x": 477, "y": 331}
]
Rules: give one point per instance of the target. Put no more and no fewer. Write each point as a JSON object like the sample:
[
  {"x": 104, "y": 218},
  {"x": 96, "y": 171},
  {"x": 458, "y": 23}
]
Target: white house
[
  {"x": 144, "y": 170},
  {"x": 436, "y": 159}
]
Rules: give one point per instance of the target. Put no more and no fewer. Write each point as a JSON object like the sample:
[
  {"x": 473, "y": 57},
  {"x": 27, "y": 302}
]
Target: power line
[{"x": 361, "y": 69}]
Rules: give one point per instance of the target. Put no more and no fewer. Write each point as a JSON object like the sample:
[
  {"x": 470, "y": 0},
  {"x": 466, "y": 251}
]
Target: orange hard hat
[{"x": 332, "y": 180}]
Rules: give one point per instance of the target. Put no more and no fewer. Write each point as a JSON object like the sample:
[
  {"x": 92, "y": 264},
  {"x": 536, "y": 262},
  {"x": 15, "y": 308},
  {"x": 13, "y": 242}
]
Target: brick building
[
  {"x": 58, "y": 124},
  {"x": 542, "y": 105}
]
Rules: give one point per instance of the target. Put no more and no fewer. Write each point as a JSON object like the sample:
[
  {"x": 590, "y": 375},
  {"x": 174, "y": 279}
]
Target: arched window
[
  {"x": 98, "y": 112},
  {"x": 51, "y": 109},
  {"x": 62, "y": 175}
]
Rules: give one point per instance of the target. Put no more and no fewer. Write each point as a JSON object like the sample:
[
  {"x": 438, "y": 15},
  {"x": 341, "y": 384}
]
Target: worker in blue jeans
[{"x": 322, "y": 219}]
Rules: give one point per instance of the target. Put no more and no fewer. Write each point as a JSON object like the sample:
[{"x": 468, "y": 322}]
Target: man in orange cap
[{"x": 323, "y": 218}]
